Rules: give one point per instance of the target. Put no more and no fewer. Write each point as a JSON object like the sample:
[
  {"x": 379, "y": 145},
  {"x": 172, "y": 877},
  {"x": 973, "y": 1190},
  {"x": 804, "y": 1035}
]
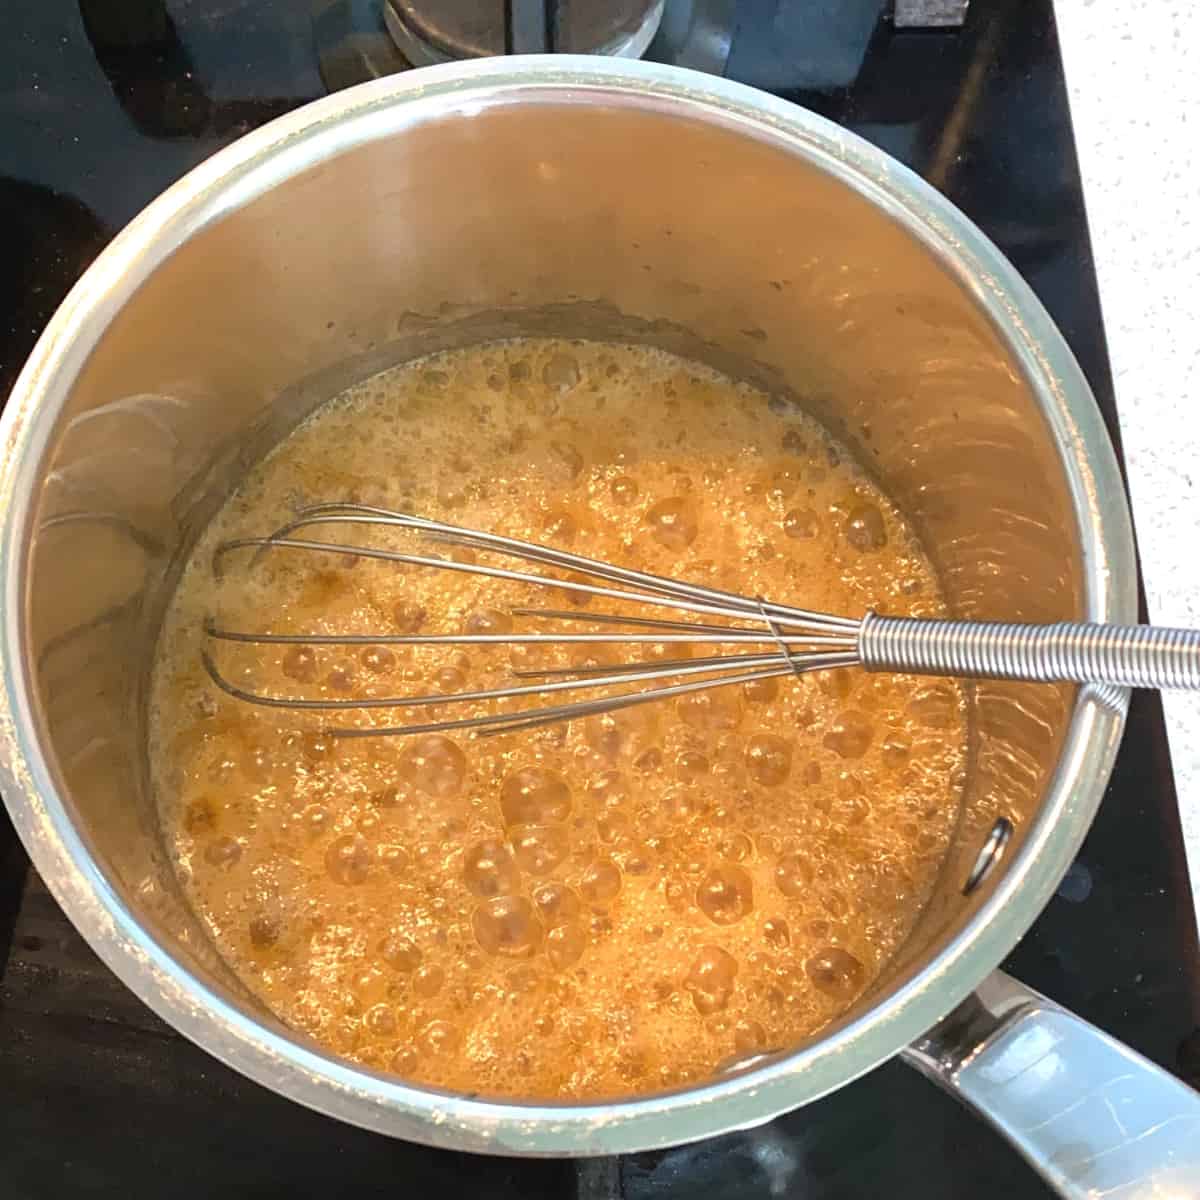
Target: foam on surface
[{"x": 582, "y": 911}]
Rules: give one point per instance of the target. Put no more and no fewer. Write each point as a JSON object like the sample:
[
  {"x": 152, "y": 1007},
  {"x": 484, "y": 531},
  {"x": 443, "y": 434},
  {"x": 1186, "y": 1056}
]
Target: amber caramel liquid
[{"x": 590, "y": 910}]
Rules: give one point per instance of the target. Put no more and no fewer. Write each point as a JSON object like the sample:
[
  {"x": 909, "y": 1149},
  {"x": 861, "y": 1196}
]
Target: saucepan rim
[{"x": 266, "y": 1052}]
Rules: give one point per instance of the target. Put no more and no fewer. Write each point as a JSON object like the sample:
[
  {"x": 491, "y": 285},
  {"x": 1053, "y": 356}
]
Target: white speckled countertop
[{"x": 1133, "y": 72}]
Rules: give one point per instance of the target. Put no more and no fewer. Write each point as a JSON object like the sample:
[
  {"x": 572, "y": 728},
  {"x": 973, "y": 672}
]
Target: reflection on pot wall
[{"x": 107, "y": 528}]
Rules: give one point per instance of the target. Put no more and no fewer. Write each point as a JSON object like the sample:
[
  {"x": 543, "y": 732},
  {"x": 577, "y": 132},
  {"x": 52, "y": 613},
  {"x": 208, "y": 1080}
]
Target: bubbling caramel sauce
[{"x": 609, "y": 907}]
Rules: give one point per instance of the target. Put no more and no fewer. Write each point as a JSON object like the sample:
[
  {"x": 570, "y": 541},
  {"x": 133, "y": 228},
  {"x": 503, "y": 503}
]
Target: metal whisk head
[{"x": 750, "y": 638}]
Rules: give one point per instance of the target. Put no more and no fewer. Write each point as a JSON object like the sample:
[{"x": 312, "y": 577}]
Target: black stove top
[{"x": 103, "y": 103}]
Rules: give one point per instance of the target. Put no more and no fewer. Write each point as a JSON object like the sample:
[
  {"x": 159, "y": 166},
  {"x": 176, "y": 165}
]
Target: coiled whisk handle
[{"x": 1140, "y": 656}]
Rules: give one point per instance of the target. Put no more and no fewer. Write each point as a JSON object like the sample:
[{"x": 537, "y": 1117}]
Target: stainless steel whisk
[{"x": 777, "y": 639}]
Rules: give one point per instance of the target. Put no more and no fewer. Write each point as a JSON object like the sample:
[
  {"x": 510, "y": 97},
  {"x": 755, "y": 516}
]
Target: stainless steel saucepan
[{"x": 605, "y": 199}]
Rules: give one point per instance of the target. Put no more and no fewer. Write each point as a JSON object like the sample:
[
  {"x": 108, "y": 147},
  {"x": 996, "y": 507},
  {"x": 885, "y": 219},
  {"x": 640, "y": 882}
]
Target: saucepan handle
[{"x": 1093, "y": 1117}]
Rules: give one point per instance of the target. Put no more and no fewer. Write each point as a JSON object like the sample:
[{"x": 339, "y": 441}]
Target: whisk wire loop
[{"x": 771, "y": 639}]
